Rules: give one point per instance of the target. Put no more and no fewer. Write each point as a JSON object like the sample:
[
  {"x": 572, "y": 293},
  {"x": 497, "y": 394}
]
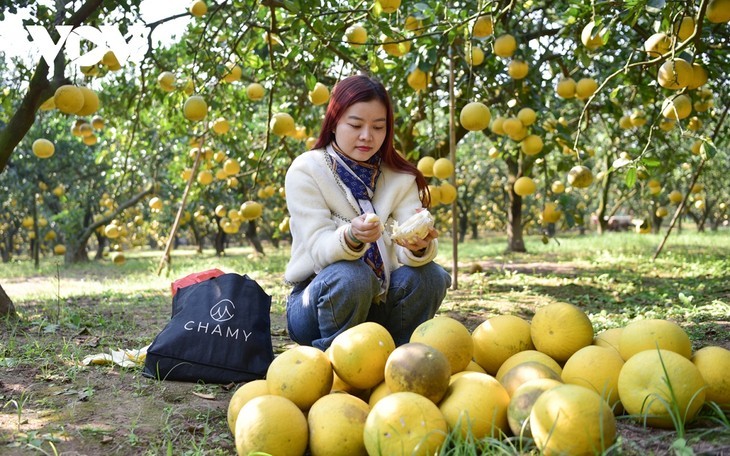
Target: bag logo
[{"x": 221, "y": 311}]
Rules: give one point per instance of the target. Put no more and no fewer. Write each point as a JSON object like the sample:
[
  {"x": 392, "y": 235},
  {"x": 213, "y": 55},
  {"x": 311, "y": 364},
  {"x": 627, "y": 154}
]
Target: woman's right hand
[{"x": 365, "y": 231}]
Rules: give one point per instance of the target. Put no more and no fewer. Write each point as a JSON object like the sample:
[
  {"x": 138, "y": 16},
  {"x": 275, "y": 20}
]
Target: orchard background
[{"x": 134, "y": 183}]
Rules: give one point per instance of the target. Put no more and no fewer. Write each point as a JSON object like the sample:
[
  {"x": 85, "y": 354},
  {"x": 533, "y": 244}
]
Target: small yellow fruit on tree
[
  {"x": 675, "y": 196},
  {"x": 580, "y": 176},
  {"x": 483, "y": 27},
  {"x": 389, "y": 6},
  {"x": 525, "y": 186},
  {"x": 43, "y": 148},
  {"x": 205, "y": 177},
  {"x": 527, "y": 116},
  {"x": 718, "y": 11},
  {"x": 677, "y": 107},
  {"x": 231, "y": 166},
  {"x": 475, "y": 116},
  {"x": 356, "y": 35},
  {"x": 450, "y": 337},
  {"x": 59, "y": 249},
  {"x": 166, "y": 81},
  {"x": 532, "y": 145},
  {"x": 684, "y": 28},
  {"x": 512, "y": 126},
  {"x": 497, "y": 126},
  {"x": 657, "y": 44},
  {"x": 675, "y": 74},
  {"x": 699, "y": 76},
  {"x": 282, "y": 124},
  {"x": 560, "y": 329},
  {"x": 653, "y": 382},
  {"x": 273, "y": 425},
  {"x": 475, "y": 56},
  {"x": 320, "y": 94},
  {"x": 566, "y": 88},
  {"x": 572, "y": 419},
  {"x": 195, "y": 108},
  {"x": 443, "y": 168},
  {"x": 91, "y": 102},
  {"x": 447, "y": 193},
  {"x": 301, "y": 374},
  {"x": 255, "y": 91},
  {"x": 551, "y": 213},
  {"x": 585, "y": 88},
  {"x": 661, "y": 212},
  {"x": 233, "y": 72},
  {"x": 425, "y": 165},
  {"x": 505, "y": 45},
  {"x": 557, "y": 187},
  {"x": 220, "y": 126},
  {"x": 713, "y": 363},
  {"x": 251, "y": 210},
  {"x": 591, "y": 37},
  {"x": 155, "y": 203},
  {"x": 198, "y": 8},
  {"x": 97, "y": 122},
  {"x": 418, "y": 79},
  {"x": 68, "y": 99},
  {"x": 518, "y": 69},
  {"x": 404, "y": 423}
]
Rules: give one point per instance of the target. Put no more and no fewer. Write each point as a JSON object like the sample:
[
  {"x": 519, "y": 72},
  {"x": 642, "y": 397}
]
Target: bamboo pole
[{"x": 452, "y": 155}]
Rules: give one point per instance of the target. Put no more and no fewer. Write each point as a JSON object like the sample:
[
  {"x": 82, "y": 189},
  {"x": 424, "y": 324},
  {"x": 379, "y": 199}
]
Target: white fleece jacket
[{"x": 321, "y": 207}]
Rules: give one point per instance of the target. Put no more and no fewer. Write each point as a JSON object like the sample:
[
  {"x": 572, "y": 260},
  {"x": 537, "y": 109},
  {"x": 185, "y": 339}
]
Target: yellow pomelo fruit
[
  {"x": 525, "y": 186},
  {"x": 560, "y": 329},
  {"x": 498, "y": 338},
  {"x": 572, "y": 419},
  {"x": 271, "y": 424},
  {"x": 447, "y": 193},
  {"x": 43, "y": 148},
  {"x": 282, "y": 124},
  {"x": 512, "y": 126},
  {"x": 525, "y": 356},
  {"x": 155, "y": 203},
  {"x": 243, "y": 394},
  {"x": 118, "y": 258},
  {"x": 695, "y": 124},
  {"x": 418, "y": 368},
  {"x": 475, "y": 56},
  {"x": 483, "y": 27},
  {"x": 59, "y": 249},
  {"x": 476, "y": 404},
  {"x": 644, "y": 387},
  {"x": 48, "y": 105},
  {"x": 450, "y": 337},
  {"x": 699, "y": 76},
  {"x": 443, "y": 168},
  {"x": 91, "y": 102},
  {"x": 301, "y": 374},
  {"x": 661, "y": 212},
  {"x": 505, "y": 45},
  {"x": 231, "y": 166},
  {"x": 532, "y": 145},
  {"x": 625, "y": 122},
  {"x": 359, "y": 354},
  {"x": 395, "y": 48},
  {"x": 585, "y": 87},
  {"x": 356, "y": 35},
  {"x": 566, "y": 88},
  {"x": 677, "y": 107},
  {"x": 675, "y": 74},
  {"x": 166, "y": 81},
  {"x": 657, "y": 44},
  {"x": 251, "y": 210},
  {"x": 418, "y": 79},
  {"x": 651, "y": 334},
  {"x": 110, "y": 60},
  {"x": 590, "y": 36},
  {"x": 205, "y": 177},
  {"x": 497, "y": 126},
  {"x": 580, "y": 176},
  {"x": 198, "y": 8},
  {"x": 557, "y": 187},
  {"x": 220, "y": 126},
  {"x": 517, "y": 69},
  {"x": 377, "y": 393},
  {"x": 336, "y": 423},
  {"x": 255, "y": 91},
  {"x": 521, "y": 402},
  {"x": 527, "y": 116},
  {"x": 675, "y": 197},
  {"x": 111, "y": 231},
  {"x": 596, "y": 368},
  {"x": 68, "y": 99},
  {"x": 474, "y": 367},
  {"x": 233, "y": 72},
  {"x": 97, "y": 122},
  {"x": 195, "y": 108},
  {"x": 221, "y": 174},
  {"x": 551, "y": 213},
  {"x": 425, "y": 165},
  {"x": 404, "y": 424},
  {"x": 609, "y": 338},
  {"x": 320, "y": 94},
  {"x": 90, "y": 140},
  {"x": 475, "y": 116},
  {"x": 718, "y": 11},
  {"x": 685, "y": 28},
  {"x": 713, "y": 362},
  {"x": 525, "y": 372}
]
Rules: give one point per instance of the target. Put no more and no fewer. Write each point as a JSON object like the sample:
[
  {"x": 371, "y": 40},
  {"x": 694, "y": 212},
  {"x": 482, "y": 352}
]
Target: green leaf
[
  {"x": 630, "y": 177},
  {"x": 651, "y": 162}
]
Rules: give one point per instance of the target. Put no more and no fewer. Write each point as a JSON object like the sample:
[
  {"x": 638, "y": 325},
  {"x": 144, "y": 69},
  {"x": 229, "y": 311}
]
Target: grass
[{"x": 52, "y": 404}]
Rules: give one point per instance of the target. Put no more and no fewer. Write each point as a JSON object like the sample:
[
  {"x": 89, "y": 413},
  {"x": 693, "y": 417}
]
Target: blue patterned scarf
[{"x": 368, "y": 172}]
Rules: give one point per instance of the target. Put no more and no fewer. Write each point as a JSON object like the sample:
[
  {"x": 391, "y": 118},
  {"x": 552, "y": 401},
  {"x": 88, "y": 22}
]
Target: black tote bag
[{"x": 220, "y": 332}]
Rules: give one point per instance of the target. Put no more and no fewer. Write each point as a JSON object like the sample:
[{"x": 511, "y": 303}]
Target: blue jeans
[{"x": 341, "y": 296}]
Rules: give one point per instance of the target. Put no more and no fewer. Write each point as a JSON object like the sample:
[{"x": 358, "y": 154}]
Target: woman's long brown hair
[{"x": 361, "y": 88}]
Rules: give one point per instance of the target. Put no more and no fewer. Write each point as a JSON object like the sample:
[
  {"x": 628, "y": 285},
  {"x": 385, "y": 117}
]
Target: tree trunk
[
  {"x": 100, "y": 243},
  {"x": 220, "y": 242},
  {"x": 515, "y": 242},
  {"x": 7, "y": 309},
  {"x": 253, "y": 238},
  {"x": 602, "y": 222}
]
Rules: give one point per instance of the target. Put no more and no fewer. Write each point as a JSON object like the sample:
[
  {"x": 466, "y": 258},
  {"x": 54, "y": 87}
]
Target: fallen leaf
[{"x": 207, "y": 396}]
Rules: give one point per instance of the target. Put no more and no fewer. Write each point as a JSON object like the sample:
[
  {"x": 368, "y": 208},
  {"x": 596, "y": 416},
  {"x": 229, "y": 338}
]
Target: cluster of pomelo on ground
[{"x": 550, "y": 381}]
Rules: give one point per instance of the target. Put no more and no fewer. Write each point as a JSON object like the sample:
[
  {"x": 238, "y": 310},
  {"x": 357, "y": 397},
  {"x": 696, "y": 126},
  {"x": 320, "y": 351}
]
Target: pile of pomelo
[{"x": 550, "y": 380}]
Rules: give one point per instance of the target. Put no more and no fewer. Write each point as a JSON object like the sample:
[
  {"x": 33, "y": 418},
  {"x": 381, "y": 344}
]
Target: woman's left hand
[{"x": 420, "y": 244}]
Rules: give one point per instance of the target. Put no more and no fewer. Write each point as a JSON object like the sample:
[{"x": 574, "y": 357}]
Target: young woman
[{"x": 344, "y": 267}]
